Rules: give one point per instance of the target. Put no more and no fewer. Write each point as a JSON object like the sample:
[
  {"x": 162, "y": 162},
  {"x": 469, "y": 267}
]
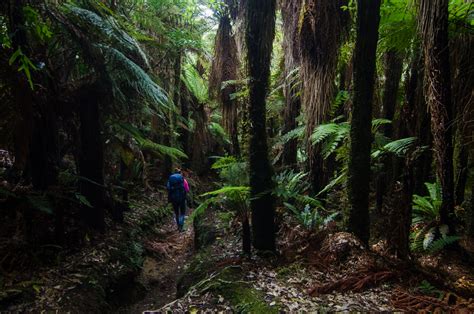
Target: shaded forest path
[{"x": 167, "y": 252}]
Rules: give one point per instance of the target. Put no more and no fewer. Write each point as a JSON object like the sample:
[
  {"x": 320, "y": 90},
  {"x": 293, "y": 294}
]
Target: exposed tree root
[
  {"x": 406, "y": 302},
  {"x": 355, "y": 283}
]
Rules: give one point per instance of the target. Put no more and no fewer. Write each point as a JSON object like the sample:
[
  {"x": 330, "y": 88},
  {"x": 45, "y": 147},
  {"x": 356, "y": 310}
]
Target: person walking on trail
[{"x": 178, "y": 187}]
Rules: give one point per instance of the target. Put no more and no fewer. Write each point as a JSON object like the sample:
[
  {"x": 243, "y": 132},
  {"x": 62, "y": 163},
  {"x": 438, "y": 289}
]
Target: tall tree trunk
[
  {"x": 368, "y": 18},
  {"x": 91, "y": 157},
  {"x": 433, "y": 22},
  {"x": 462, "y": 53},
  {"x": 184, "y": 133},
  {"x": 290, "y": 11},
  {"x": 225, "y": 67},
  {"x": 21, "y": 90},
  {"x": 322, "y": 27},
  {"x": 393, "y": 72},
  {"x": 260, "y": 31}
]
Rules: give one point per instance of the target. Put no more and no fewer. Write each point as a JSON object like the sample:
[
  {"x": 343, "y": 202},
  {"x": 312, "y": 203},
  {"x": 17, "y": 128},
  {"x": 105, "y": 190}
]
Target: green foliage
[
  {"x": 397, "y": 25},
  {"x": 398, "y": 147},
  {"x": 232, "y": 171},
  {"x": 428, "y": 235},
  {"x": 150, "y": 146},
  {"x": 426, "y": 208},
  {"x": 24, "y": 65},
  {"x": 427, "y": 288},
  {"x": 218, "y": 132},
  {"x": 311, "y": 219},
  {"x": 195, "y": 83}
]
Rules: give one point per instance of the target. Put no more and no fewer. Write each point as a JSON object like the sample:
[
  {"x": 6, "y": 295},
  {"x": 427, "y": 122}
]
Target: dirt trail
[{"x": 167, "y": 253}]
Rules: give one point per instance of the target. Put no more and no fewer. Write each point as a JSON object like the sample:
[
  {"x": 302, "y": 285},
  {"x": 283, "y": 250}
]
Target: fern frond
[
  {"x": 195, "y": 83},
  {"x": 401, "y": 146},
  {"x": 148, "y": 145},
  {"x": 323, "y": 131},
  {"x": 296, "y": 133},
  {"x": 105, "y": 29},
  {"x": 123, "y": 73}
]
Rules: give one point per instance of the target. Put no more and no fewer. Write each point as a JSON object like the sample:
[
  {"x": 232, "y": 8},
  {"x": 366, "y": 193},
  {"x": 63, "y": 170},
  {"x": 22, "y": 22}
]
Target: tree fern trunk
[
  {"x": 393, "y": 73},
  {"x": 290, "y": 11},
  {"x": 368, "y": 17},
  {"x": 433, "y": 21},
  {"x": 260, "y": 31}
]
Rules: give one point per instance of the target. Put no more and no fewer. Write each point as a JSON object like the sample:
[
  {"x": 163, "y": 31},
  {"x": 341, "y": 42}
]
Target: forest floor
[
  {"x": 167, "y": 253},
  {"x": 145, "y": 264},
  {"x": 330, "y": 272}
]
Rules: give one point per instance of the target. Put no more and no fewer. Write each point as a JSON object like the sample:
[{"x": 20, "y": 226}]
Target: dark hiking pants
[{"x": 179, "y": 209}]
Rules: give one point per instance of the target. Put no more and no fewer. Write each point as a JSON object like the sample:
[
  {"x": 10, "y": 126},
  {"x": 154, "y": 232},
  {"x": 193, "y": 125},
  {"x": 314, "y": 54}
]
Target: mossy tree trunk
[
  {"x": 368, "y": 18},
  {"x": 260, "y": 31}
]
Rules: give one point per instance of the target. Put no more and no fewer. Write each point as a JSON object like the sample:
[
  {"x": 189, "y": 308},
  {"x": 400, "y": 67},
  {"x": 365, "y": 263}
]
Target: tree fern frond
[
  {"x": 195, "y": 83},
  {"x": 105, "y": 29},
  {"x": 377, "y": 123},
  {"x": 123, "y": 73},
  {"x": 296, "y": 133},
  {"x": 401, "y": 146},
  {"x": 148, "y": 145},
  {"x": 322, "y": 131}
]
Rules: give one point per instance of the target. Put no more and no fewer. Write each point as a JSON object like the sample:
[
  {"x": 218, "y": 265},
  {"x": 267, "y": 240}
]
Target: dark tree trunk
[
  {"x": 393, "y": 73},
  {"x": 433, "y": 20},
  {"x": 200, "y": 144},
  {"x": 368, "y": 17},
  {"x": 184, "y": 131},
  {"x": 45, "y": 145},
  {"x": 470, "y": 215},
  {"x": 462, "y": 53},
  {"x": 246, "y": 238},
  {"x": 260, "y": 31},
  {"x": 91, "y": 158},
  {"x": 290, "y": 11},
  {"x": 415, "y": 98},
  {"x": 21, "y": 90}
]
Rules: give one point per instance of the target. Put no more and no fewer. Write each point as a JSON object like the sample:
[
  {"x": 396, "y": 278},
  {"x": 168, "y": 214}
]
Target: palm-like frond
[
  {"x": 124, "y": 74},
  {"x": 398, "y": 147},
  {"x": 195, "y": 83},
  {"x": 331, "y": 135},
  {"x": 105, "y": 29},
  {"x": 148, "y": 145}
]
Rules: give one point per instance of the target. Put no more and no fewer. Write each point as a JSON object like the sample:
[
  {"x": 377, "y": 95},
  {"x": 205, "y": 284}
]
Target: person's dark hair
[{"x": 177, "y": 170}]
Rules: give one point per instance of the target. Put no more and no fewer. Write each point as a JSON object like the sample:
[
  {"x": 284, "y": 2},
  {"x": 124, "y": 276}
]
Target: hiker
[{"x": 177, "y": 188}]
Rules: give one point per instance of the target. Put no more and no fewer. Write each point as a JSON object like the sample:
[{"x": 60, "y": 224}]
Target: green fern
[
  {"x": 125, "y": 73},
  {"x": 148, "y": 145},
  {"x": 195, "y": 83}
]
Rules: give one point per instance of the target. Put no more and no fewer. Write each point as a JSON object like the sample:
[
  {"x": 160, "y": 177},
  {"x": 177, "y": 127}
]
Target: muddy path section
[{"x": 167, "y": 251}]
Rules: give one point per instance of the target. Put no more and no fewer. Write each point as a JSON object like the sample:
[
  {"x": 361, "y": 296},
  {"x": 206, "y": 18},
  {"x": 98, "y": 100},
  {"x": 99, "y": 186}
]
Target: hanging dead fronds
[
  {"x": 290, "y": 12},
  {"x": 225, "y": 66},
  {"x": 323, "y": 27}
]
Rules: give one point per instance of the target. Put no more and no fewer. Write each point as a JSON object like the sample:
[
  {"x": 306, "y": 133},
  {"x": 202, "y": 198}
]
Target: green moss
[
  {"x": 284, "y": 272},
  {"x": 240, "y": 294},
  {"x": 201, "y": 265}
]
